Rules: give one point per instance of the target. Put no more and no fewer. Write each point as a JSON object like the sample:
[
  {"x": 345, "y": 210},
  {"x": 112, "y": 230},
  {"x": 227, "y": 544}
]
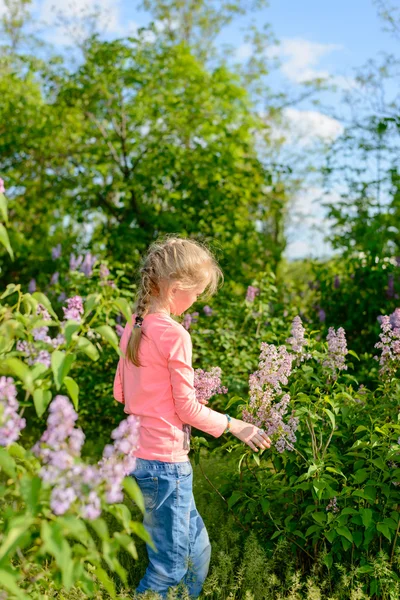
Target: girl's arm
[{"x": 176, "y": 347}]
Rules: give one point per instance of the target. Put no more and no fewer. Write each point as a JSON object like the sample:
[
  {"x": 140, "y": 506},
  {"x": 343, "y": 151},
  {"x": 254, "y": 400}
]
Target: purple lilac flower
[
  {"x": 390, "y": 346},
  {"x": 298, "y": 341},
  {"x": 390, "y": 287},
  {"x": 207, "y": 310},
  {"x": 395, "y": 318},
  {"x": 54, "y": 278},
  {"x": 252, "y": 292},
  {"x": 188, "y": 319},
  {"x": 119, "y": 329},
  {"x": 32, "y": 286},
  {"x": 56, "y": 252},
  {"x": 58, "y": 341},
  {"x": 43, "y": 312},
  {"x": 62, "y": 297},
  {"x": 332, "y": 505},
  {"x": 118, "y": 459},
  {"x": 76, "y": 483},
  {"x": 207, "y": 384},
  {"x": 104, "y": 271},
  {"x": 2, "y": 188},
  {"x": 336, "y": 282},
  {"x": 87, "y": 264},
  {"x": 74, "y": 310},
  {"x": 337, "y": 350},
  {"x": 11, "y": 423},
  {"x": 74, "y": 263},
  {"x": 265, "y": 384},
  {"x": 321, "y": 315}
]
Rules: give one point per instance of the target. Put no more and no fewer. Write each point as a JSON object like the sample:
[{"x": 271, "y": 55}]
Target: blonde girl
[{"x": 155, "y": 382}]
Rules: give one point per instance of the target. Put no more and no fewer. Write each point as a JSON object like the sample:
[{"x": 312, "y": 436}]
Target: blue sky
[{"x": 317, "y": 38}]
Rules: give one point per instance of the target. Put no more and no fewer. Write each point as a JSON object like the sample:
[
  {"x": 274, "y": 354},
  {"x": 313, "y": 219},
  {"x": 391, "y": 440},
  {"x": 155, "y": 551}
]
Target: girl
[{"x": 155, "y": 382}]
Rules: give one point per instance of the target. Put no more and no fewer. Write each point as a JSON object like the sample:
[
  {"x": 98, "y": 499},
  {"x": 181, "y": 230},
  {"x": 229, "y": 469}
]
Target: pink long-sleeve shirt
[{"x": 161, "y": 391}]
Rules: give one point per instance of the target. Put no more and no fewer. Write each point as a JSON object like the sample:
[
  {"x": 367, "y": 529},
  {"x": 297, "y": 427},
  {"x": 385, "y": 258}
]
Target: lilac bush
[
  {"x": 337, "y": 350},
  {"x": 73, "y": 483},
  {"x": 11, "y": 423},
  {"x": 389, "y": 344},
  {"x": 208, "y": 383},
  {"x": 268, "y": 405}
]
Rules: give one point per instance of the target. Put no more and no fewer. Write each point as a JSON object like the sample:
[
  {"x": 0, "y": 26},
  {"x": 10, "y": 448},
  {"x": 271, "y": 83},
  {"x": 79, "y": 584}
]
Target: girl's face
[{"x": 183, "y": 299}]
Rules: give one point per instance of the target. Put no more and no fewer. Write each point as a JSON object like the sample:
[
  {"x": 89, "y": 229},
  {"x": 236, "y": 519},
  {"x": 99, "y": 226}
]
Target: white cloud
[
  {"x": 244, "y": 51},
  {"x": 309, "y": 223},
  {"x": 76, "y": 16},
  {"x": 304, "y": 128},
  {"x": 300, "y": 59}
]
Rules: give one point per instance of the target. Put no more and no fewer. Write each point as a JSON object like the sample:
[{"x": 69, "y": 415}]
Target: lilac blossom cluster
[
  {"x": 84, "y": 262},
  {"x": 40, "y": 334},
  {"x": 2, "y": 188},
  {"x": 298, "y": 341},
  {"x": 389, "y": 344},
  {"x": 251, "y": 293},
  {"x": 207, "y": 310},
  {"x": 264, "y": 410},
  {"x": 74, "y": 309},
  {"x": 337, "y": 350},
  {"x": 11, "y": 423},
  {"x": 188, "y": 319},
  {"x": 332, "y": 505},
  {"x": 76, "y": 483},
  {"x": 208, "y": 383}
]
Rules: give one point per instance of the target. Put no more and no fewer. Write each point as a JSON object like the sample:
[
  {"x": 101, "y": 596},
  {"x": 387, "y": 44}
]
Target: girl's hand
[{"x": 248, "y": 433}]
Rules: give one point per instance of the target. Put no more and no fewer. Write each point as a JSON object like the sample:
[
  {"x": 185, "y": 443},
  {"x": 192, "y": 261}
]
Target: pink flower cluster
[
  {"x": 40, "y": 334},
  {"x": 208, "y": 383},
  {"x": 337, "y": 350},
  {"x": 252, "y": 292},
  {"x": 264, "y": 410},
  {"x": 74, "y": 309},
  {"x": 11, "y": 423},
  {"x": 76, "y": 483},
  {"x": 389, "y": 344},
  {"x": 188, "y": 319},
  {"x": 298, "y": 341}
]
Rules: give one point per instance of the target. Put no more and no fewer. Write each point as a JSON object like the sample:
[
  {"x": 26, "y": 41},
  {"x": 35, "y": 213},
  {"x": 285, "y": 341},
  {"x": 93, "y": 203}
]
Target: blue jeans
[{"x": 175, "y": 526}]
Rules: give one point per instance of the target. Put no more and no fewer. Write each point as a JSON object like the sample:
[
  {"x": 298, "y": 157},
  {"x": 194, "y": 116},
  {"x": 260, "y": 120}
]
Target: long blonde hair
[{"x": 172, "y": 259}]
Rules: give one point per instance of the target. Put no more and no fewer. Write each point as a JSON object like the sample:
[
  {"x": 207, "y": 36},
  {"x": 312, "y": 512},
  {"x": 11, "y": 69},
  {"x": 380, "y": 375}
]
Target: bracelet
[{"x": 229, "y": 423}]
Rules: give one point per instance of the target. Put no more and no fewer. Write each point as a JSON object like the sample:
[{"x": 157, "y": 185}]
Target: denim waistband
[{"x": 144, "y": 463}]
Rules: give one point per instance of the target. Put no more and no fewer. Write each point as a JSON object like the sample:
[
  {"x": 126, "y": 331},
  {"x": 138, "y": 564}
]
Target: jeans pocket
[{"x": 149, "y": 488}]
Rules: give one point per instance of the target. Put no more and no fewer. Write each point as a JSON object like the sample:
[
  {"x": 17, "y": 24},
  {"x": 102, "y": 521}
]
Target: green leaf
[
  {"x": 10, "y": 289},
  {"x": 330, "y": 535},
  {"x": 361, "y": 475},
  {"x": 383, "y": 528},
  {"x": 236, "y": 495},
  {"x": 319, "y": 517},
  {"x": 134, "y": 492},
  {"x": 109, "y": 335},
  {"x": 331, "y": 416},
  {"x": 9, "y": 582},
  {"x": 88, "y": 348},
  {"x": 345, "y": 532},
  {"x": 73, "y": 390},
  {"x": 70, "y": 328},
  {"x": 123, "y": 306},
  {"x": 232, "y": 401},
  {"x": 105, "y": 580},
  {"x": 19, "y": 369},
  {"x": 366, "y": 516},
  {"x": 5, "y": 241},
  {"x": 90, "y": 303},
  {"x": 101, "y": 528},
  {"x": 7, "y": 463},
  {"x": 3, "y": 208},
  {"x": 16, "y": 529},
  {"x": 358, "y": 538},
  {"x": 41, "y": 400},
  {"x": 61, "y": 364},
  {"x": 361, "y": 428},
  {"x": 55, "y": 545},
  {"x": 30, "y": 489}
]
